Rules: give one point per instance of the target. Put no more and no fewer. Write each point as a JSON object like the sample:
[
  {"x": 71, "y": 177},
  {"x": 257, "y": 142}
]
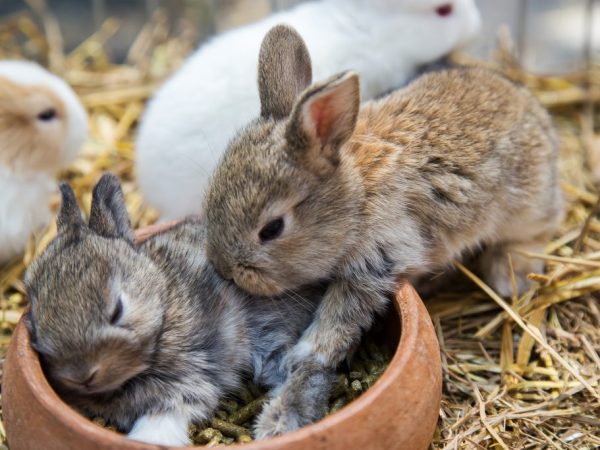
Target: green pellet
[
  {"x": 341, "y": 387},
  {"x": 208, "y": 435},
  {"x": 355, "y": 389},
  {"x": 229, "y": 429},
  {"x": 220, "y": 414},
  {"x": 247, "y": 412},
  {"x": 356, "y": 375},
  {"x": 338, "y": 404},
  {"x": 244, "y": 439},
  {"x": 215, "y": 441},
  {"x": 99, "y": 421},
  {"x": 230, "y": 406},
  {"x": 371, "y": 366}
]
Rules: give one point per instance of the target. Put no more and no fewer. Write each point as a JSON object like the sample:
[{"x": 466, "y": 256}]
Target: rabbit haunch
[
  {"x": 459, "y": 159},
  {"x": 148, "y": 336},
  {"x": 188, "y": 123}
]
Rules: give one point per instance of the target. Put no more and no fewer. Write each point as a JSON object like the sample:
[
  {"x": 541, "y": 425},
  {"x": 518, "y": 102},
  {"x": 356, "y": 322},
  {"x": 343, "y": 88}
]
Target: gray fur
[
  {"x": 187, "y": 337},
  {"x": 458, "y": 160},
  {"x": 281, "y": 60},
  {"x": 301, "y": 400}
]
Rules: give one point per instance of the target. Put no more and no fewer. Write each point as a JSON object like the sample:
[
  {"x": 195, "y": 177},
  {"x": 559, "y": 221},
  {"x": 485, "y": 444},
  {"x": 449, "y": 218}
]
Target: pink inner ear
[{"x": 322, "y": 114}]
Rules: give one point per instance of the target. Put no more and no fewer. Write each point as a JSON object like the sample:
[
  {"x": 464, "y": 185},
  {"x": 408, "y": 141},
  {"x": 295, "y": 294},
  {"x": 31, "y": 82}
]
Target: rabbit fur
[
  {"x": 42, "y": 126},
  {"x": 322, "y": 188},
  {"x": 149, "y": 337},
  {"x": 188, "y": 123}
]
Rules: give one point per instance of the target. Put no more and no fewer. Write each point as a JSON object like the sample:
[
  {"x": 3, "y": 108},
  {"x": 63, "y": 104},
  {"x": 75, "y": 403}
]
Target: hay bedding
[{"x": 518, "y": 373}]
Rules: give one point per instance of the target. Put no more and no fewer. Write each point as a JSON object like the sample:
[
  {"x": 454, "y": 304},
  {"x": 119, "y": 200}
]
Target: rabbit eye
[
  {"x": 47, "y": 115},
  {"x": 444, "y": 10},
  {"x": 117, "y": 312},
  {"x": 272, "y": 230}
]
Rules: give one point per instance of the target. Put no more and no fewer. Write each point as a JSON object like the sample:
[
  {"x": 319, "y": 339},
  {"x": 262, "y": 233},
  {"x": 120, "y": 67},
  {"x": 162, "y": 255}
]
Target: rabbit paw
[
  {"x": 301, "y": 400},
  {"x": 169, "y": 429},
  {"x": 497, "y": 273},
  {"x": 275, "y": 419}
]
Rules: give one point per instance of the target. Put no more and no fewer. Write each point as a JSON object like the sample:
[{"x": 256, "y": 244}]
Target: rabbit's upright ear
[
  {"x": 323, "y": 119},
  {"x": 69, "y": 217},
  {"x": 108, "y": 216},
  {"x": 284, "y": 71}
]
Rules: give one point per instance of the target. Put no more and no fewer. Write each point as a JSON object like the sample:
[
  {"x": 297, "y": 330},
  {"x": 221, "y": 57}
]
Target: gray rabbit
[
  {"x": 149, "y": 337},
  {"x": 320, "y": 187}
]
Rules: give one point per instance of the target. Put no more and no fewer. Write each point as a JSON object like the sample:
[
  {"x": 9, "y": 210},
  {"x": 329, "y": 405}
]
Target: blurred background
[{"x": 550, "y": 36}]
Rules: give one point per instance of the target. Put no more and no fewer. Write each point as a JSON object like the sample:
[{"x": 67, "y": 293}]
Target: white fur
[
  {"x": 25, "y": 194},
  {"x": 23, "y": 209},
  {"x": 162, "y": 429},
  {"x": 192, "y": 117}
]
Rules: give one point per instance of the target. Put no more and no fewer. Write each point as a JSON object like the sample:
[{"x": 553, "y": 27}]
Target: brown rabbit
[{"x": 320, "y": 188}]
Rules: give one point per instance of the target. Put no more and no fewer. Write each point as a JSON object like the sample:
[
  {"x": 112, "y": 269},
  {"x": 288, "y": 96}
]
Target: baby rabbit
[
  {"x": 320, "y": 188},
  {"x": 187, "y": 125},
  {"x": 149, "y": 337},
  {"x": 42, "y": 126}
]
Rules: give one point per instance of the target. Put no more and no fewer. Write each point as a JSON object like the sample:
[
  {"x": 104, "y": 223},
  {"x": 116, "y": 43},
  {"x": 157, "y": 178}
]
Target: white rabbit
[
  {"x": 42, "y": 126},
  {"x": 192, "y": 117}
]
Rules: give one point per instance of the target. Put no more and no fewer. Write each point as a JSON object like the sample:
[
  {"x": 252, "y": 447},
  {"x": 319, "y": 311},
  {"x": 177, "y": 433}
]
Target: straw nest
[{"x": 518, "y": 373}]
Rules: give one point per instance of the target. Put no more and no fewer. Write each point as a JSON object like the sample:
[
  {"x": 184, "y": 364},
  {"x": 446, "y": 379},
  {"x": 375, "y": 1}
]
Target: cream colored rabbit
[{"x": 42, "y": 127}]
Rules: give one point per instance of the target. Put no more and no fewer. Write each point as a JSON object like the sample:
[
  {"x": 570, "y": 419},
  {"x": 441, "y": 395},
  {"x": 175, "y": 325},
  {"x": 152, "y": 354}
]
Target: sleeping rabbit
[
  {"x": 192, "y": 117},
  {"x": 42, "y": 126},
  {"x": 320, "y": 187},
  {"x": 149, "y": 337}
]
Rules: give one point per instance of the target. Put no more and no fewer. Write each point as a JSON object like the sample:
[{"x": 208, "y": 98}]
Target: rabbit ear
[
  {"x": 108, "y": 216},
  {"x": 284, "y": 71},
  {"x": 323, "y": 119},
  {"x": 69, "y": 216}
]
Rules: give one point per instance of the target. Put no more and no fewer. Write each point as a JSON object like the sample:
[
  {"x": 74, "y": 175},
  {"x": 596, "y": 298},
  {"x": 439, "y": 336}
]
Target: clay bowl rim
[{"x": 406, "y": 304}]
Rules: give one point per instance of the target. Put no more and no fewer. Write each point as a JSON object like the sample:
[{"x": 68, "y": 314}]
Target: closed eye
[{"x": 117, "y": 312}]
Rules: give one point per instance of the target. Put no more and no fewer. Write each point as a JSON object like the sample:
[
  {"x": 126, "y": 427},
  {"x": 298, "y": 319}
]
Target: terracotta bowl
[{"x": 399, "y": 411}]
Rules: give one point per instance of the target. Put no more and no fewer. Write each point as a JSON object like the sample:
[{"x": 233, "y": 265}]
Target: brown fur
[
  {"x": 23, "y": 142},
  {"x": 458, "y": 160}
]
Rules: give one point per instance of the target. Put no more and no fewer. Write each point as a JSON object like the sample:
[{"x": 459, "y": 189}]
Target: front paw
[
  {"x": 276, "y": 419},
  {"x": 169, "y": 429},
  {"x": 301, "y": 400},
  {"x": 497, "y": 272},
  {"x": 298, "y": 355}
]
